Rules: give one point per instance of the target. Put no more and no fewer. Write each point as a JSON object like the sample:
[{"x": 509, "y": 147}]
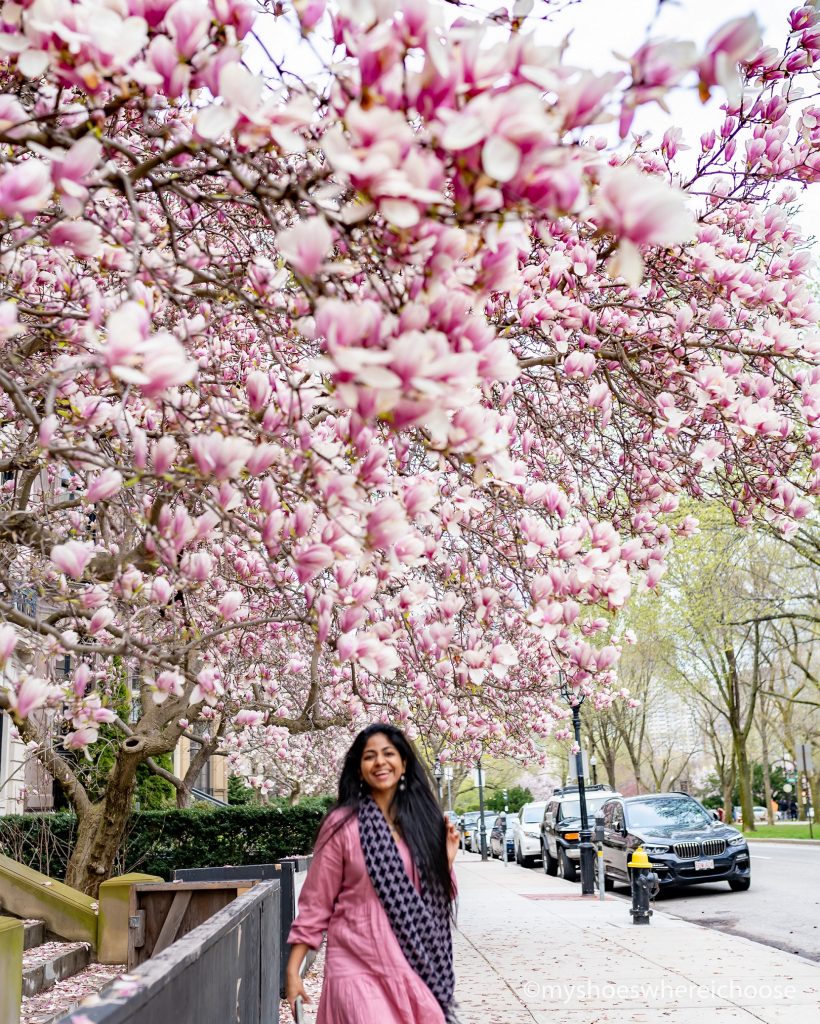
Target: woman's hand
[
  {"x": 294, "y": 987},
  {"x": 453, "y": 840}
]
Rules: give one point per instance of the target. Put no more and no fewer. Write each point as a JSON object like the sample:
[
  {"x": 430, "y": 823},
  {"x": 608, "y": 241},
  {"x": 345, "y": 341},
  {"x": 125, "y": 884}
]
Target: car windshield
[
  {"x": 533, "y": 814},
  {"x": 669, "y": 811},
  {"x": 572, "y": 808}
]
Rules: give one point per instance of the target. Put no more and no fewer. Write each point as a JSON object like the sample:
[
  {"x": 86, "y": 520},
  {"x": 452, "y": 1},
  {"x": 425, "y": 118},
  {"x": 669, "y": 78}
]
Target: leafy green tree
[
  {"x": 517, "y": 796},
  {"x": 239, "y": 792}
]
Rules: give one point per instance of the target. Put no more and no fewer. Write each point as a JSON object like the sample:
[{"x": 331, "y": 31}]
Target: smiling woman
[{"x": 380, "y": 885}]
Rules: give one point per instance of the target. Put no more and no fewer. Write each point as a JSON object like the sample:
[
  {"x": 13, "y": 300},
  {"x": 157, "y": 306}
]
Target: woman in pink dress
[{"x": 381, "y": 886}]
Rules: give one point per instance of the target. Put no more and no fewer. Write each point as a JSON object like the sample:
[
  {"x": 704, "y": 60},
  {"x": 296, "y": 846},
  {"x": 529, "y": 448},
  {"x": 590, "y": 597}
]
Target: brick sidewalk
[{"x": 531, "y": 950}]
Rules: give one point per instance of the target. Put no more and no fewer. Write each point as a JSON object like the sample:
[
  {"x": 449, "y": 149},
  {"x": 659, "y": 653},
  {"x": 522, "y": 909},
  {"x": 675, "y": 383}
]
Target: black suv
[
  {"x": 560, "y": 828},
  {"x": 683, "y": 841}
]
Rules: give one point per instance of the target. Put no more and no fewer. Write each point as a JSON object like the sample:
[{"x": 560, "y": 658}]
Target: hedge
[{"x": 161, "y": 841}]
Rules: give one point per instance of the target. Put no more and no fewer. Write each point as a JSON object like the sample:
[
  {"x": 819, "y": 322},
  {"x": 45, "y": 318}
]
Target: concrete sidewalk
[{"x": 531, "y": 950}]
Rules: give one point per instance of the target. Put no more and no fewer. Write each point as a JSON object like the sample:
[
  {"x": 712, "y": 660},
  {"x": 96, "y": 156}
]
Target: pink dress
[{"x": 367, "y": 977}]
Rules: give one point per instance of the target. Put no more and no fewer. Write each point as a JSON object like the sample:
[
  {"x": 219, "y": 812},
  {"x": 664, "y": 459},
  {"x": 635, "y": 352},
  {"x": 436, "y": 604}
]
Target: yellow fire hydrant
[{"x": 645, "y": 886}]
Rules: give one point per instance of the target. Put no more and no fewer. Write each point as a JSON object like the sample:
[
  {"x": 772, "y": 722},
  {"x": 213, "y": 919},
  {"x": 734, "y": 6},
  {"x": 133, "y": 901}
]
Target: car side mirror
[{"x": 715, "y": 815}]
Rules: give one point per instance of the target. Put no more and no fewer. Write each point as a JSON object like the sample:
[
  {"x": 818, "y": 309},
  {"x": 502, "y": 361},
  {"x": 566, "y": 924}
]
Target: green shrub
[{"x": 161, "y": 841}]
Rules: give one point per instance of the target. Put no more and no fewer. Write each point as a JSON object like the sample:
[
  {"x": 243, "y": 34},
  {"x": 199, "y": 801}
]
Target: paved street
[{"x": 782, "y": 908}]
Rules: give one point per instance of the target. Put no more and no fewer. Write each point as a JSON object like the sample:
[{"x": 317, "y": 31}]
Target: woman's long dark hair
[{"x": 417, "y": 813}]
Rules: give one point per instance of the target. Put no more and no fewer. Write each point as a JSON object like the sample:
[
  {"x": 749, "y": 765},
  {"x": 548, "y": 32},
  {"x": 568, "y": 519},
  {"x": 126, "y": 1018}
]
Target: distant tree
[{"x": 516, "y": 798}]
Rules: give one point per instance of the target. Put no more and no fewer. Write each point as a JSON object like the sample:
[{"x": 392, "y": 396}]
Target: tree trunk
[
  {"x": 763, "y": 729},
  {"x": 100, "y": 831},
  {"x": 744, "y": 779},
  {"x": 609, "y": 765},
  {"x": 728, "y": 803},
  {"x": 184, "y": 796}
]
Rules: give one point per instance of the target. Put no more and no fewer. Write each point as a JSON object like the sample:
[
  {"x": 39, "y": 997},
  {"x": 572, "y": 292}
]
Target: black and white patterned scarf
[{"x": 420, "y": 921}]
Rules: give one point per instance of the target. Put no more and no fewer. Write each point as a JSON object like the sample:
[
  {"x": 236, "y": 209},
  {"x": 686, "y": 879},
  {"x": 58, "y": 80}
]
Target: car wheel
[
  {"x": 550, "y": 863},
  {"x": 518, "y": 859},
  {"x": 739, "y": 884},
  {"x": 566, "y": 867}
]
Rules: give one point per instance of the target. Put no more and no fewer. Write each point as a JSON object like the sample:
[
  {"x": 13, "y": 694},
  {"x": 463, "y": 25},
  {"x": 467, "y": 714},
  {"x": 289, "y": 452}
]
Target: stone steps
[
  {"x": 46, "y": 964},
  {"x": 34, "y": 934},
  {"x": 65, "y": 996}
]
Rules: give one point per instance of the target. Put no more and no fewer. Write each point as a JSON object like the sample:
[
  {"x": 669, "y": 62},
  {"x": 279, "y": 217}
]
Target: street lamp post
[
  {"x": 586, "y": 848},
  {"x": 438, "y": 772},
  {"x": 482, "y": 827},
  {"x": 448, "y": 775}
]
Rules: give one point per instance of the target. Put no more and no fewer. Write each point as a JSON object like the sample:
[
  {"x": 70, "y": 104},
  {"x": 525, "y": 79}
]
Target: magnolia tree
[{"x": 371, "y": 393}]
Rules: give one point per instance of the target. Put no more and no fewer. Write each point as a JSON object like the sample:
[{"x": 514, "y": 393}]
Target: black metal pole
[
  {"x": 586, "y": 848},
  {"x": 482, "y": 828}
]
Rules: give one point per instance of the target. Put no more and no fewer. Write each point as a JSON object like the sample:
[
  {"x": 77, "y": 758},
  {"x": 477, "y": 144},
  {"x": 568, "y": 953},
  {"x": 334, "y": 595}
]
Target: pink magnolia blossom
[
  {"x": 163, "y": 454},
  {"x": 9, "y": 324},
  {"x": 219, "y": 456},
  {"x": 738, "y": 40},
  {"x": 25, "y": 189},
  {"x": 101, "y": 619},
  {"x": 80, "y": 237},
  {"x": 259, "y": 389},
  {"x": 230, "y": 604},
  {"x": 187, "y": 23},
  {"x": 306, "y": 245},
  {"x": 310, "y": 560},
  {"x": 641, "y": 209},
  {"x": 246, "y": 718},
  {"x": 167, "y": 684},
  {"x": 72, "y": 557},
  {"x": 8, "y": 641},
  {"x": 103, "y": 486},
  {"x": 164, "y": 365},
  {"x": 29, "y": 694},
  {"x": 161, "y": 590},
  {"x": 81, "y": 738}
]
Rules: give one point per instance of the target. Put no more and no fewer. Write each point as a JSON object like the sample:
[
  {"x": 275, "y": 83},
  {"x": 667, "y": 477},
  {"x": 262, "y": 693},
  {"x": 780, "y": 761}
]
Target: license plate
[{"x": 704, "y": 865}]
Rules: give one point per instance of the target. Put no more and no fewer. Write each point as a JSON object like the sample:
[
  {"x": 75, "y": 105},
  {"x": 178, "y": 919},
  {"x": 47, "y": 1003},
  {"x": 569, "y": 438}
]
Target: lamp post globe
[{"x": 438, "y": 774}]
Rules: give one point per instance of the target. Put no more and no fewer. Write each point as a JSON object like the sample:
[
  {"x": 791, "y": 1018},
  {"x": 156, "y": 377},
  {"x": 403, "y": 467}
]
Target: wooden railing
[{"x": 219, "y": 973}]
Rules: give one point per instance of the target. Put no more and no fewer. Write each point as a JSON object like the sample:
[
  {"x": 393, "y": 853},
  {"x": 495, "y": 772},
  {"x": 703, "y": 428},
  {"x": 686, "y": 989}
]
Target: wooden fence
[
  {"x": 225, "y": 971},
  {"x": 290, "y": 871}
]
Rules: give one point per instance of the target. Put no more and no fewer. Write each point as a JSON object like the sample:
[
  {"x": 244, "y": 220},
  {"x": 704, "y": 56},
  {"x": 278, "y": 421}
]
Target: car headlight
[
  {"x": 738, "y": 840},
  {"x": 656, "y": 849}
]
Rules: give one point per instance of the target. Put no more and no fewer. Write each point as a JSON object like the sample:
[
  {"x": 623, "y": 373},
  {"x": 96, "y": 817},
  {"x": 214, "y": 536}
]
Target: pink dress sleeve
[{"x": 322, "y": 886}]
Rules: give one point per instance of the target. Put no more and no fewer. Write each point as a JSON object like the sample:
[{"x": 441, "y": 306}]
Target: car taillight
[{"x": 572, "y": 835}]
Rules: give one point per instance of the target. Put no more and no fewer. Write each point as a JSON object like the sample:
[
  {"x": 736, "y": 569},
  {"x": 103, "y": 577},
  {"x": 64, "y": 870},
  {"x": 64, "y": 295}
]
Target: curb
[{"x": 791, "y": 842}]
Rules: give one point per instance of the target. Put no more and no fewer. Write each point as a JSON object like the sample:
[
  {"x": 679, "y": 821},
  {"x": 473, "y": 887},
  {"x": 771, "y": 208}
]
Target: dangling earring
[
  {"x": 402, "y": 784},
  {"x": 361, "y": 787}
]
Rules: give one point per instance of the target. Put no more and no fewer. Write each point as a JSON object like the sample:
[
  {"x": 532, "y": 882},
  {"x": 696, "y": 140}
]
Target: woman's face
[{"x": 382, "y": 764}]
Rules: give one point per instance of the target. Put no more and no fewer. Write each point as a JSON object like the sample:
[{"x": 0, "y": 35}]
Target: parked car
[
  {"x": 561, "y": 827},
  {"x": 758, "y": 812},
  {"x": 527, "y": 838},
  {"x": 684, "y": 843},
  {"x": 469, "y": 826},
  {"x": 475, "y": 837},
  {"x": 503, "y": 831}
]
